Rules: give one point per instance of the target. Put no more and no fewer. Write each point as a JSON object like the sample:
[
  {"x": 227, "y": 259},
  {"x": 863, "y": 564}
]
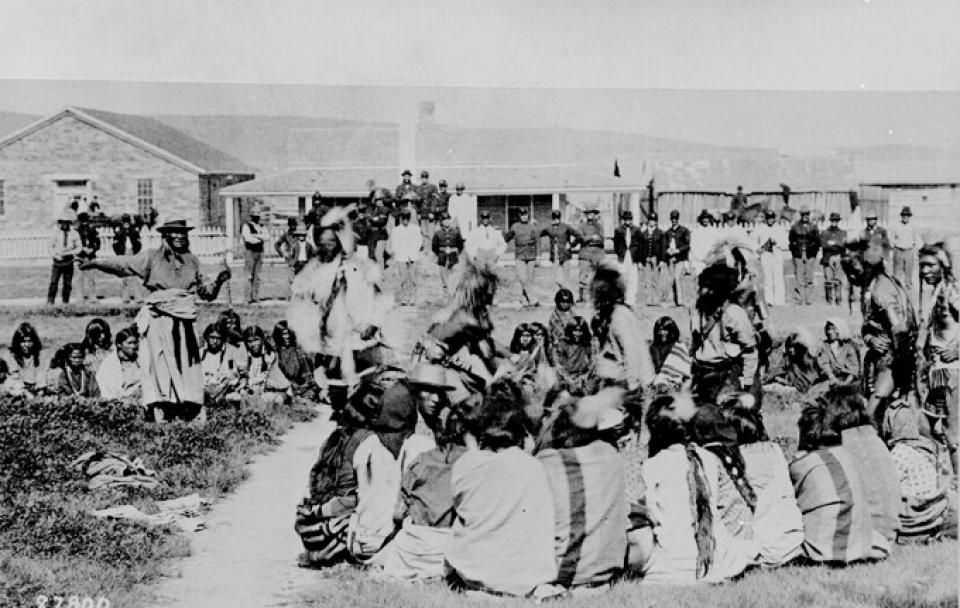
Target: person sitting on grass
[
  {"x": 295, "y": 366},
  {"x": 839, "y": 357},
  {"x": 777, "y": 524},
  {"x": 799, "y": 370},
  {"x": 220, "y": 364},
  {"x": 670, "y": 356},
  {"x": 425, "y": 509},
  {"x": 25, "y": 348},
  {"x": 543, "y": 342},
  {"x": 502, "y": 539},
  {"x": 686, "y": 540},
  {"x": 97, "y": 343},
  {"x": 353, "y": 487},
  {"x": 574, "y": 357},
  {"x": 924, "y": 480},
  {"x": 523, "y": 345},
  {"x": 119, "y": 374},
  {"x": 259, "y": 358},
  {"x": 847, "y": 418},
  {"x": 837, "y": 526},
  {"x": 562, "y": 314},
  {"x": 73, "y": 377},
  {"x": 586, "y": 476}
]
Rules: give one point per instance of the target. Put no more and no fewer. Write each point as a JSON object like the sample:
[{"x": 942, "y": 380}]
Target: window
[
  {"x": 3, "y": 206},
  {"x": 144, "y": 196}
]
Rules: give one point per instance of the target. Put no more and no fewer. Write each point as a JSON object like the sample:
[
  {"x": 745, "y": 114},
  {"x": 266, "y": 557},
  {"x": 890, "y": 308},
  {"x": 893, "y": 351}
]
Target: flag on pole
[{"x": 616, "y": 168}]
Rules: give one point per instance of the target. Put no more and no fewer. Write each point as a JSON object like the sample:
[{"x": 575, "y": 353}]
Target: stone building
[{"x": 127, "y": 163}]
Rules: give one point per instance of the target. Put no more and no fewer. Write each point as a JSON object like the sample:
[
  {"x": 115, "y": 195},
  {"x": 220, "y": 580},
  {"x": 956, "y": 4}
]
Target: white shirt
[
  {"x": 252, "y": 233},
  {"x": 406, "y": 242},
  {"x": 776, "y": 233},
  {"x": 904, "y": 236},
  {"x": 463, "y": 210},
  {"x": 701, "y": 240},
  {"x": 485, "y": 238}
]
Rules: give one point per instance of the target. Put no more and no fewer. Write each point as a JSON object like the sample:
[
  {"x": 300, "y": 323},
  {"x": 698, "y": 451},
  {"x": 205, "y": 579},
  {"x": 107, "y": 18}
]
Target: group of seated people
[
  {"x": 236, "y": 361},
  {"x": 807, "y": 366},
  {"x": 499, "y": 492}
]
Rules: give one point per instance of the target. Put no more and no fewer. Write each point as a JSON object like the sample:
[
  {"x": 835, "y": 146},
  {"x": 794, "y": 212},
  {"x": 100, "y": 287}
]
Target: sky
[{"x": 799, "y": 73}]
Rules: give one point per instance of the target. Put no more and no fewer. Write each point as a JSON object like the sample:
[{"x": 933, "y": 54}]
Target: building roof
[
  {"x": 479, "y": 180},
  {"x": 150, "y": 135}
]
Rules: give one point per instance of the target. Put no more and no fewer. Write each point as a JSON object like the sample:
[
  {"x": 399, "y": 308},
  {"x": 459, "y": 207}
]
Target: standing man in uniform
[
  {"x": 443, "y": 200},
  {"x": 463, "y": 209},
  {"x": 804, "y": 245},
  {"x": 526, "y": 240},
  {"x": 592, "y": 249},
  {"x": 833, "y": 240},
  {"x": 905, "y": 242},
  {"x": 64, "y": 248},
  {"x": 626, "y": 246},
  {"x": 676, "y": 248},
  {"x": 90, "y": 243},
  {"x": 406, "y": 185},
  {"x": 651, "y": 261},
  {"x": 772, "y": 241},
  {"x": 563, "y": 237},
  {"x": 447, "y": 245},
  {"x": 429, "y": 204},
  {"x": 126, "y": 241},
  {"x": 485, "y": 243},
  {"x": 253, "y": 235},
  {"x": 377, "y": 234},
  {"x": 874, "y": 232}
]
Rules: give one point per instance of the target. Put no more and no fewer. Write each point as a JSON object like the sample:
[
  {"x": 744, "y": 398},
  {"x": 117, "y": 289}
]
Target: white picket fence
[{"x": 205, "y": 243}]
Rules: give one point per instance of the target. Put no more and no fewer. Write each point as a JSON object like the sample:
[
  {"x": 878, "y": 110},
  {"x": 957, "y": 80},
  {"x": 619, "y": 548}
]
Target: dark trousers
[
  {"x": 253, "y": 262},
  {"x": 58, "y": 272}
]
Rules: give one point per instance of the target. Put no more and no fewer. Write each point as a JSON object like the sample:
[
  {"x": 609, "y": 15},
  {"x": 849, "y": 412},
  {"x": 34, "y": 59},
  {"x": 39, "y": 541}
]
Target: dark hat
[
  {"x": 906, "y": 211},
  {"x": 291, "y": 222},
  {"x": 175, "y": 226},
  {"x": 484, "y": 214},
  {"x": 446, "y": 215},
  {"x": 729, "y": 215},
  {"x": 705, "y": 214},
  {"x": 770, "y": 213},
  {"x": 591, "y": 210},
  {"x": 125, "y": 217},
  {"x": 675, "y": 214},
  {"x": 83, "y": 216},
  {"x": 460, "y": 186},
  {"x": 443, "y": 182},
  {"x": 652, "y": 217},
  {"x": 524, "y": 211},
  {"x": 424, "y": 173},
  {"x": 299, "y": 231},
  {"x": 316, "y": 197},
  {"x": 404, "y": 214},
  {"x": 835, "y": 217},
  {"x": 626, "y": 214},
  {"x": 556, "y": 214},
  {"x": 406, "y": 172}
]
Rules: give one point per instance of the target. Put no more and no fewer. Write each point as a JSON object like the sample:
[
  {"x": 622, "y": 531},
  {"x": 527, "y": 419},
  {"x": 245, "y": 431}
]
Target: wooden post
[{"x": 230, "y": 227}]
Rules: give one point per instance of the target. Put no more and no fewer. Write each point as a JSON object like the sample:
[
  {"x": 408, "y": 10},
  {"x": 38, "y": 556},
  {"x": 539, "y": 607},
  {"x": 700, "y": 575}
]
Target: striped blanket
[
  {"x": 675, "y": 370},
  {"x": 837, "y": 526}
]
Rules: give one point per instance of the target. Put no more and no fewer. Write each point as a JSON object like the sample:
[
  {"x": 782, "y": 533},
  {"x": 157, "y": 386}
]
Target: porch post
[
  {"x": 555, "y": 201},
  {"x": 228, "y": 202}
]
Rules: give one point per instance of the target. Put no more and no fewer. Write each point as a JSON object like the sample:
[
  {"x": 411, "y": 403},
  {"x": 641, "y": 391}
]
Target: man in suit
[
  {"x": 804, "y": 242},
  {"x": 626, "y": 245},
  {"x": 447, "y": 243},
  {"x": 676, "y": 249},
  {"x": 651, "y": 261},
  {"x": 592, "y": 251}
]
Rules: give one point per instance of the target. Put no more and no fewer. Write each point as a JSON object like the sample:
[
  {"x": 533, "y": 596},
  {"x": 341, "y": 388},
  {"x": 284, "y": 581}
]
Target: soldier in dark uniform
[
  {"x": 874, "y": 232},
  {"x": 126, "y": 241},
  {"x": 90, "y": 241},
  {"x": 317, "y": 210},
  {"x": 447, "y": 244},
  {"x": 651, "y": 261},
  {"x": 526, "y": 241},
  {"x": 406, "y": 186},
  {"x": 804, "y": 241},
  {"x": 377, "y": 233},
  {"x": 591, "y": 252},
  {"x": 429, "y": 198},
  {"x": 676, "y": 251},
  {"x": 361, "y": 231},
  {"x": 443, "y": 198},
  {"x": 563, "y": 237},
  {"x": 832, "y": 241}
]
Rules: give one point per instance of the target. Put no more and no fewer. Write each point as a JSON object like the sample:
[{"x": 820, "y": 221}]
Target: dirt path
[{"x": 247, "y": 555}]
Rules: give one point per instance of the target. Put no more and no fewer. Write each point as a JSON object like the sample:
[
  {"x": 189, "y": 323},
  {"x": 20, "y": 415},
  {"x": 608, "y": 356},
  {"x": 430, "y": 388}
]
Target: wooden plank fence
[{"x": 205, "y": 243}]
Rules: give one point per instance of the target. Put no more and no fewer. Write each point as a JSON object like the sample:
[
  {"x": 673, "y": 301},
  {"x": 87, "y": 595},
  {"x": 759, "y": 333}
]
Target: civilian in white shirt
[
  {"x": 405, "y": 244},
  {"x": 905, "y": 242},
  {"x": 771, "y": 239},
  {"x": 463, "y": 209},
  {"x": 485, "y": 243},
  {"x": 253, "y": 236},
  {"x": 702, "y": 238}
]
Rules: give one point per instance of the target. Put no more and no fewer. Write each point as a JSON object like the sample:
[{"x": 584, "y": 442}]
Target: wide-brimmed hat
[
  {"x": 835, "y": 217},
  {"x": 174, "y": 226},
  {"x": 805, "y": 210},
  {"x": 429, "y": 376},
  {"x": 906, "y": 211},
  {"x": 626, "y": 215}
]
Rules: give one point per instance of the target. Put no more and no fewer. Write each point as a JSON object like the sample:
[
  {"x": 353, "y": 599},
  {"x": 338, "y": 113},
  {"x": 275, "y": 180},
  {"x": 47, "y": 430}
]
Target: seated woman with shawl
[
  {"x": 799, "y": 370},
  {"x": 670, "y": 356},
  {"x": 586, "y": 476},
  {"x": 257, "y": 359},
  {"x": 687, "y": 541},
  {"x": 839, "y": 357},
  {"x": 295, "y": 366},
  {"x": 776, "y": 524},
  {"x": 562, "y": 314},
  {"x": 220, "y": 363},
  {"x": 923, "y": 471},
  {"x": 73, "y": 378},
  {"x": 425, "y": 510},
  {"x": 574, "y": 357},
  {"x": 229, "y": 322},
  {"x": 503, "y": 536},
  {"x": 25, "y": 349},
  {"x": 347, "y": 512},
  {"x": 119, "y": 374},
  {"x": 97, "y": 343},
  {"x": 837, "y": 527}
]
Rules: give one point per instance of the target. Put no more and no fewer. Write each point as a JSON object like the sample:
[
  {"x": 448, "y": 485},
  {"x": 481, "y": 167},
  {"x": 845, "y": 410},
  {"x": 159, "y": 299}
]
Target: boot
[
  {"x": 580, "y": 297},
  {"x": 828, "y": 288},
  {"x": 837, "y": 293}
]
